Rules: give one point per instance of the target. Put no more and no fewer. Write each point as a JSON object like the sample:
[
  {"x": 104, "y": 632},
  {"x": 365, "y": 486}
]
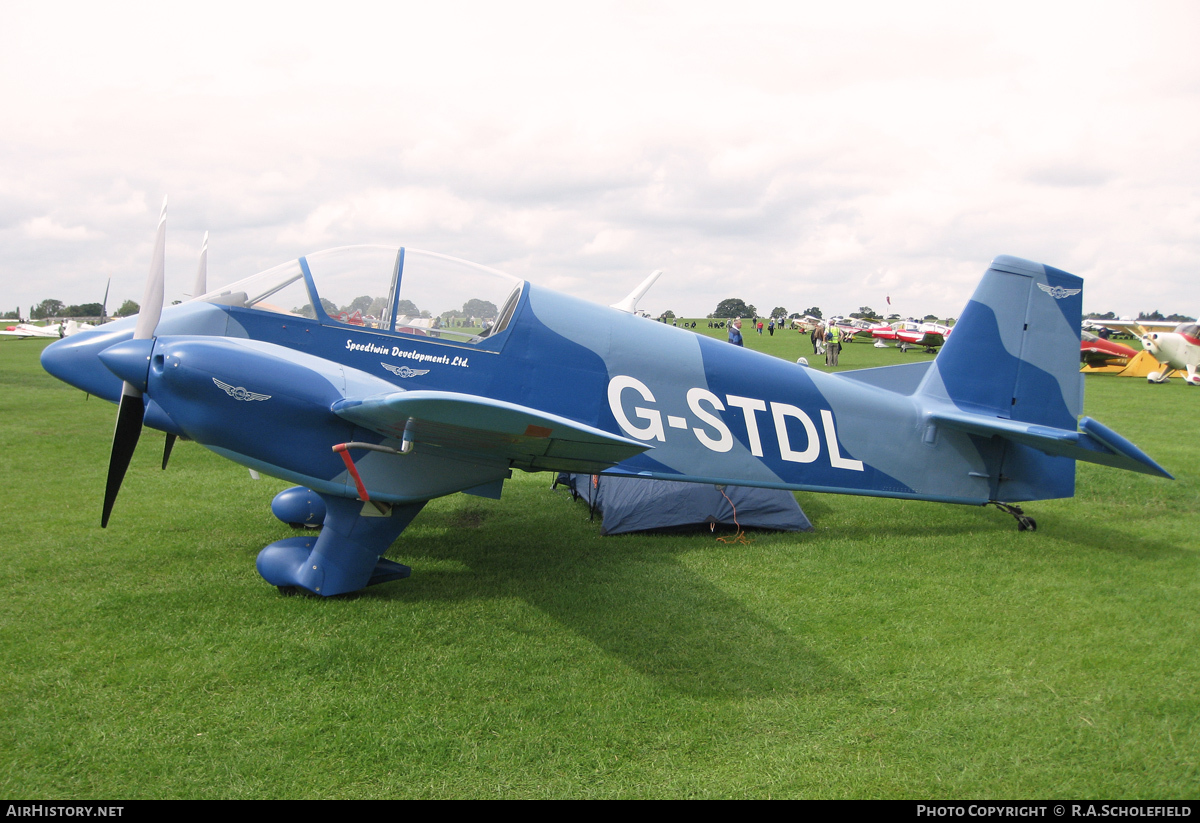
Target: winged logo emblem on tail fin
[{"x": 1058, "y": 292}]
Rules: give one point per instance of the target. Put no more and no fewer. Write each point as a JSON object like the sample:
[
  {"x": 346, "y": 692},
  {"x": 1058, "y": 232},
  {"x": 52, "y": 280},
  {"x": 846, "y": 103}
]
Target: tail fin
[
  {"x": 1009, "y": 376},
  {"x": 1014, "y": 353}
]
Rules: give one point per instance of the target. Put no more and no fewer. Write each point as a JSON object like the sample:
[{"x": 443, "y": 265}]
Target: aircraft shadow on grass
[
  {"x": 355, "y": 373},
  {"x": 634, "y": 599}
]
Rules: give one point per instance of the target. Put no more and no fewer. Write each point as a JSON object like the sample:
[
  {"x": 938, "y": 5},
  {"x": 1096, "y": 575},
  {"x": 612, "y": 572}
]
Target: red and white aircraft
[
  {"x": 1179, "y": 349},
  {"x": 1096, "y": 351},
  {"x": 55, "y": 330},
  {"x": 1175, "y": 345},
  {"x": 910, "y": 334}
]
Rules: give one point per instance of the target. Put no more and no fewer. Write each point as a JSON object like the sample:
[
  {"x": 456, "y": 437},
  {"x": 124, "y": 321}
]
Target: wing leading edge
[{"x": 491, "y": 429}]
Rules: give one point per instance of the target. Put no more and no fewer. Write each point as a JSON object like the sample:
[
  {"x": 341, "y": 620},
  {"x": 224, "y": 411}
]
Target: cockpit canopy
[{"x": 385, "y": 288}]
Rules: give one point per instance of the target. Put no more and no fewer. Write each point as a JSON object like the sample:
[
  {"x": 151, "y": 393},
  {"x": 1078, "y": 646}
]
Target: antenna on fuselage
[{"x": 629, "y": 304}]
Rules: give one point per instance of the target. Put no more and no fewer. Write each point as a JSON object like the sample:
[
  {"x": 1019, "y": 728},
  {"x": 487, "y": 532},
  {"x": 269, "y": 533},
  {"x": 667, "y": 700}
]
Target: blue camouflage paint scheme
[{"x": 571, "y": 385}]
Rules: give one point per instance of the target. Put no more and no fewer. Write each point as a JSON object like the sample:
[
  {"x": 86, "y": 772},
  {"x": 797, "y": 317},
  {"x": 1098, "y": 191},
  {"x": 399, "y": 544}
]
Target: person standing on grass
[
  {"x": 735, "y": 333},
  {"x": 833, "y": 344}
]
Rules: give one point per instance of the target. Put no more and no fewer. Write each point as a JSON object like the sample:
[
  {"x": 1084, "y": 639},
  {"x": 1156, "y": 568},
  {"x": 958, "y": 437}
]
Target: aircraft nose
[
  {"x": 130, "y": 361},
  {"x": 75, "y": 360}
]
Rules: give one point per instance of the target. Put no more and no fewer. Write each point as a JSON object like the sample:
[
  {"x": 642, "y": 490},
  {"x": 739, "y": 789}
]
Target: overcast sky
[{"x": 788, "y": 154}]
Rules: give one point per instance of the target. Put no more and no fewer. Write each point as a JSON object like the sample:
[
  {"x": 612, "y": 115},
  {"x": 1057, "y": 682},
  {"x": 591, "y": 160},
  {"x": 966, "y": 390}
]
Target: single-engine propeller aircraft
[
  {"x": 375, "y": 419},
  {"x": 1097, "y": 352},
  {"x": 911, "y": 334},
  {"x": 1178, "y": 349},
  {"x": 1174, "y": 345}
]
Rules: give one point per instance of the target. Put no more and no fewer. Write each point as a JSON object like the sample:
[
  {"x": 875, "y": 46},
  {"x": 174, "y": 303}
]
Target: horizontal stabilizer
[
  {"x": 490, "y": 429},
  {"x": 903, "y": 378},
  {"x": 1095, "y": 444}
]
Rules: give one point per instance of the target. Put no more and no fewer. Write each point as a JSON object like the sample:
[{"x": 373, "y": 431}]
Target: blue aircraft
[{"x": 381, "y": 405}]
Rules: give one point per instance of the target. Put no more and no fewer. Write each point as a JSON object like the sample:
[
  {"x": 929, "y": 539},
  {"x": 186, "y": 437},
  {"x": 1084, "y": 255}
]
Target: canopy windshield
[{"x": 385, "y": 288}]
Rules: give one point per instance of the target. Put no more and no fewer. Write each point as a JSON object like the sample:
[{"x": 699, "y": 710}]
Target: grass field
[{"x": 904, "y": 650}]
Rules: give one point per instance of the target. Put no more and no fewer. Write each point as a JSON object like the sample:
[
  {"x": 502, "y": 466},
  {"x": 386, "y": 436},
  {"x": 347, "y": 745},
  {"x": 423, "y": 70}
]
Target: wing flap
[{"x": 491, "y": 429}]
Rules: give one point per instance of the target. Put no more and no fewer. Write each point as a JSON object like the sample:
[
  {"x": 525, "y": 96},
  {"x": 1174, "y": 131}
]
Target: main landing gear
[
  {"x": 1025, "y": 523},
  {"x": 346, "y": 555}
]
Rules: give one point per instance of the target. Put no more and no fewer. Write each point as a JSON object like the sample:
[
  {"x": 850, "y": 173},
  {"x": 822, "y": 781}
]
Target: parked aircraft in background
[
  {"x": 1179, "y": 349},
  {"x": 373, "y": 421},
  {"x": 806, "y": 323},
  {"x": 61, "y": 329},
  {"x": 1097, "y": 352},
  {"x": 1174, "y": 345},
  {"x": 25, "y": 330},
  {"x": 909, "y": 334}
]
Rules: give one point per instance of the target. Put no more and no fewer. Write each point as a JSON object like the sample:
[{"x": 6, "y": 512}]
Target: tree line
[{"x": 53, "y": 309}]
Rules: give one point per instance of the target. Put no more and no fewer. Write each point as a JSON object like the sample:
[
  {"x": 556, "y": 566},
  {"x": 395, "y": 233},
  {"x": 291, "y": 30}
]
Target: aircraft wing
[
  {"x": 492, "y": 429},
  {"x": 1136, "y": 327}
]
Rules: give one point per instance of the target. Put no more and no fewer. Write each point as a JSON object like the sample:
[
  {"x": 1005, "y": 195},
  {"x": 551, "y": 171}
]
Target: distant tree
[
  {"x": 865, "y": 312},
  {"x": 734, "y": 307},
  {"x": 83, "y": 310},
  {"x": 930, "y": 318},
  {"x": 891, "y": 318},
  {"x": 11, "y": 315},
  {"x": 127, "y": 308},
  {"x": 407, "y": 308},
  {"x": 1094, "y": 315},
  {"x": 378, "y": 307},
  {"x": 329, "y": 306},
  {"x": 361, "y": 304},
  {"x": 1180, "y": 318},
  {"x": 480, "y": 308},
  {"x": 779, "y": 311},
  {"x": 47, "y": 308},
  {"x": 667, "y": 315},
  {"x": 1154, "y": 315},
  {"x": 813, "y": 311}
]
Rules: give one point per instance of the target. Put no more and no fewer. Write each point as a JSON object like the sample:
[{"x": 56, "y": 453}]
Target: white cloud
[
  {"x": 47, "y": 228},
  {"x": 803, "y": 155}
]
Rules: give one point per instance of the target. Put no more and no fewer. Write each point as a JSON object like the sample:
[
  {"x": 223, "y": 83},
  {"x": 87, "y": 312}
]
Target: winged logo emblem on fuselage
[
  {"x": 239, "y": 393},
  {"x": 404, "y": 371}
]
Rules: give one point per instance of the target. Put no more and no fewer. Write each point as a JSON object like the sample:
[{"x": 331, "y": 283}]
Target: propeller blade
[
  {"x": 201, "y": 284},
  {"x": 167, "y": 449},
  {"x": 125, "y": 438},
  {"x": 152, "y": 297},
  {"x": 131, "y": 410}
]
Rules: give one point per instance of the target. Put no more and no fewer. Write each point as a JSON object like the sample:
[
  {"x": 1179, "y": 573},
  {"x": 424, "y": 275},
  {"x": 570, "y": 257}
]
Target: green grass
[{"x": 904, "y": 649}]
